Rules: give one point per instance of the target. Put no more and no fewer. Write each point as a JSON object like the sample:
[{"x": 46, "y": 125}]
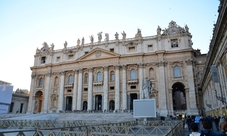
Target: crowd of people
[{"x": 206, "y": 126}]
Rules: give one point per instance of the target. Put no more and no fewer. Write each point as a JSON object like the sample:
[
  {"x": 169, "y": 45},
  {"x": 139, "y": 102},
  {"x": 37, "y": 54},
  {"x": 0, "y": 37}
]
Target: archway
[
  {"x": 38, "y": 101},
  {"x": 85, "y": 105},
  {"x": 179, "y": 96}
]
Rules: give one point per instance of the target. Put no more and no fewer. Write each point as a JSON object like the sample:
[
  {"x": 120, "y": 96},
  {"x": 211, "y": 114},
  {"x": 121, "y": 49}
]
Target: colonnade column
[
  {"x": 75, "y": 90},
  {"x": 61, "y": 93},
  {"x": 141, "y": 80},
  {"x": 46, "y": 95},
  {"x": 191, "y": 86},
  {"x": 79, "y": 96},
  {"x": 106, "y": 88},
  {"x": 32, "y": 89},
  {"x": 90, "y": 88},
  {"x": 124, "y": 88},
  {"x": 162, "y": 89},
  {"x": 117, "y": 89}
]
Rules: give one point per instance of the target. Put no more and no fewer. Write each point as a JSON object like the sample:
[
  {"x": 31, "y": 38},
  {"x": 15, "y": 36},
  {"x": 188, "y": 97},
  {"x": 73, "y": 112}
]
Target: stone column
[
  {"x": 162, "y": 89},
  {"x": 191, "y": 86},
  {"x": 79, "y": 96},
  {"x": 90, "y": 88},
  {"x": 32, "y": 89},
  {"x": 61, "y": 93},
  {"x": 187, "y": 101},
  {"x": 170, "y": 102},
  {"x": 105, "y": 89},
  {"x": 124, "y": 88},
  {"x": 117, "y": 88},
  {"x": 141, "y": 80},
  {"x": 46, "y": 95},
  {"x": 75, "y": 90}
]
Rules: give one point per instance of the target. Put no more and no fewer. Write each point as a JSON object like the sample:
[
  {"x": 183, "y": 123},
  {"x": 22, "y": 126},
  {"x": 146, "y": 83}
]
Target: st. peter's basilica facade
[{"x": 108, "y": 75}]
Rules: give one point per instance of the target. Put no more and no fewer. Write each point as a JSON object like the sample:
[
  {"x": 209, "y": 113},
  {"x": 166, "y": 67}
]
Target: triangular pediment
[{"x": 98, "y": 53}]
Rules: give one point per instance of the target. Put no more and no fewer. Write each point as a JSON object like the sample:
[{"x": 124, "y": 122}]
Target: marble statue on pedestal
[{"x": 147, "y": 88}]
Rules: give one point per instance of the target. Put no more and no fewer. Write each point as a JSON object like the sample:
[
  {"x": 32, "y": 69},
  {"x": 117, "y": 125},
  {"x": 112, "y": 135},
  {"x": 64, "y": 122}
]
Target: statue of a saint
[
  {"x": 186, "y": 29},
  {"x": 82, "y": 41},
  {"x": 147, "y": 88},
  {"x": 159, "y": 30},
  {"x": 99, "y": 36},
  {"x": 116, "y": 36},
  {"x": 65, "y": 44},
  {"x": 78, "y": 41},
  {"x": 107, "y": 37},
  {"x": 92, "y": 39},
  {"x": 123, "y": 35},
  {"x": 52, "y": 46}
]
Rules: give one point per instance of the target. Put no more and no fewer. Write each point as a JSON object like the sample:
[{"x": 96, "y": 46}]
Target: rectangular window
[
  {"x": 112, "y": 49},
  {"x": 69, "y": 91},
  {"x": 112, "y": 88},
  {"x": 133, "y": 87},
  {"x": 112, "y": 77},
  {"x": 43, "y": 60},
  {"x": 174, "y": 43},
  {"x": 11, "y": 107},
  {"x": 85, "y": 89},
  {"x": 150, "y": 47},
  {"x": 132, "y": 49},
  {"x": 58, "y": 59},
  {"x": 70, "y": 56},
  {"x": 86, "y": 52}
]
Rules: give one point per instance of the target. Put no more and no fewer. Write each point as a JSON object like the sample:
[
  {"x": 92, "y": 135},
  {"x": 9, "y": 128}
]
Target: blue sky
[{"x": 25, "y": 25}]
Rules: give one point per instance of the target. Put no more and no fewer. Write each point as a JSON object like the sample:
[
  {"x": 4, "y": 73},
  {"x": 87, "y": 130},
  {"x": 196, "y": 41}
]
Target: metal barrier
[{"x": 151, "y": 128}]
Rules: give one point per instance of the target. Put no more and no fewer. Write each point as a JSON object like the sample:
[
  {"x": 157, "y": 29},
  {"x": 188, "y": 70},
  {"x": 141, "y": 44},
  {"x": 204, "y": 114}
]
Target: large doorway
[
  {"x": 38, "y": 102},
  {"x": 68, "y": 103},
  {"x": 85, "y": 105},
  {"x": 111, "y": 105},
  {"x": 98, "y": 102},
  {"x": 132, "y": 97},
  {"x": 178, "y": 95}
]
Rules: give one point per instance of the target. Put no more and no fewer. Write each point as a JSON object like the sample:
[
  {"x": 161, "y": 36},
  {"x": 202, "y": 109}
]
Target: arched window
[
  {"x": 176, "y": 71},
  {"x": 41, "y": 82},
  {"x": 99, "y": 77},
  {"x": 70, "y": 81},
  {"x": 133, "y": 74},
  {"x": 86, "y": 78},
  {"x": 112, "y": 76}
]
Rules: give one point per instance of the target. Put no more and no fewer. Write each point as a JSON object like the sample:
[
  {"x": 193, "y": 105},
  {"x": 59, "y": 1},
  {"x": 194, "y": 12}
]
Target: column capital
[
  {"x": 141, "y": 65},
  {"x": 75, "y": 71},
  {"x": 91, "y": 69},
  {"x": 48, "y": 74},
  {"x": 33, "y": 76},
  {"x": 117, "y": 66},
  {"x": 123, "y": 67},
  {"x": 161, "y": 63},
  {"x": 62, "y": 73},
  {"x": 189, "y": 62},
  {"x": 80, "y": 70},
  {"x": 105, "y": 67}
]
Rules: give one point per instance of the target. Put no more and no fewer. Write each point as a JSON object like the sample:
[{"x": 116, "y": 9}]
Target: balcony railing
[
  {"x": 99, "y": 83},
  {"x": 132, "y": 81},
  {"x": 69, "y": 85}
]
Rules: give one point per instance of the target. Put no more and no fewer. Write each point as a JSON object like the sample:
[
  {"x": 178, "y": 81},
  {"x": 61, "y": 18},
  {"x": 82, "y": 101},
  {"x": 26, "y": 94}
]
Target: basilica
[{"x": 107, "y": 75}]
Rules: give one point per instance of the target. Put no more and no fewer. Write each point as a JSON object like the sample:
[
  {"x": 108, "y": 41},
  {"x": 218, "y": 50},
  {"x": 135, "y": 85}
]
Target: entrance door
[
  {"x": 68, "y": 103},
  {"x": 132, "y": 97},
  {"x": 98, "y": 102},
  {"x": 179, "y": 97},
  {"x": 38, "y": 102}
]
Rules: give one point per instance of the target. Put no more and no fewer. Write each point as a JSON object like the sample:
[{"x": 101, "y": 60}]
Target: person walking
[
  {"x": 195, "y": 130},
  {"x": 208, "y": 130},
  {"x": 216, "y": 122}
]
